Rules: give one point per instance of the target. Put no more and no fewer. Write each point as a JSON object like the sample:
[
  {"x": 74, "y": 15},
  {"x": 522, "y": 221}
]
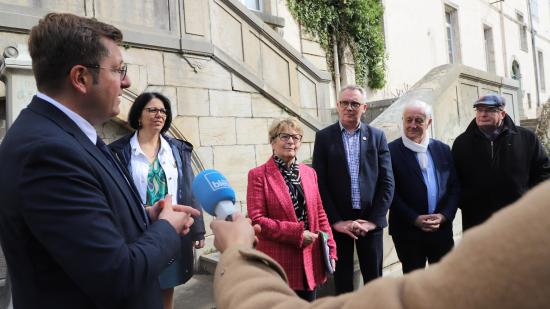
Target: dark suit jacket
[
  {"x": 410, "y": 198},
  {"x": 375, "y": 174},
  {"x": 73, "y": 234}
]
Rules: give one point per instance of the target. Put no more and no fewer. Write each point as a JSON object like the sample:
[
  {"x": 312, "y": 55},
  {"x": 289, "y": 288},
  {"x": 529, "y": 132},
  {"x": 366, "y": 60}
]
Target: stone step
[
  {"x": 208, "y": 262},
  {"x": 530, "y": 124}
]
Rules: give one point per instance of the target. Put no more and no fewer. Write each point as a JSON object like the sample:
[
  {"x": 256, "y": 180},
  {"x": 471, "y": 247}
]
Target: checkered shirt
[{"x": 351, "y": 145}]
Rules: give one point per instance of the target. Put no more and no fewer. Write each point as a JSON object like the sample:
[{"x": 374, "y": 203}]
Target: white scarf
[{"x": 420, "y": 149}]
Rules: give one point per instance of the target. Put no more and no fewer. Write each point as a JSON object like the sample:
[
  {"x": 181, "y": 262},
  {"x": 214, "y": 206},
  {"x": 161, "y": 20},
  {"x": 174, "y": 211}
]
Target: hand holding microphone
[
  {"x": 214, "y": 193},
  {"x": 240, "y": 232}
]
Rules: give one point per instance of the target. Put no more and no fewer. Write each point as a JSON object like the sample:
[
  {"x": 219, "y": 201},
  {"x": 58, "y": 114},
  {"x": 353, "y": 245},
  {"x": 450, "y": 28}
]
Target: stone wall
[{"x": 227, "y": 74}]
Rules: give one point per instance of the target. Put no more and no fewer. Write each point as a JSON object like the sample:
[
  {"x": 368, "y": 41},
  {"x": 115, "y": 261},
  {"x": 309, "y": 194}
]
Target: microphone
[{"x": 215, "y": 194}]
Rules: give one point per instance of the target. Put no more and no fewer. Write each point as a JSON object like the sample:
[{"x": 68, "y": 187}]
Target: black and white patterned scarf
[{"x": 291, "y": 175}]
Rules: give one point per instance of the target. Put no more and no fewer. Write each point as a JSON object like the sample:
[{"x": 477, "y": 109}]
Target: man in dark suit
[
  {"x": 354, "y": 170},
  {"x": 426, "y": 191},
  {"x": 72, "y": 229}
]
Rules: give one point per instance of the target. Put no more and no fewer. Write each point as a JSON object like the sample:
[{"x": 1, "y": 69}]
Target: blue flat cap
[{"x": 491, "y": 99}]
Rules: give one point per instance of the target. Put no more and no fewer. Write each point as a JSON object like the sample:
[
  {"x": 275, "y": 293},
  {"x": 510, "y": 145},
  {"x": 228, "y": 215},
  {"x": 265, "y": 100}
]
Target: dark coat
[
  {"x": 495, "y": 174},
  {"x": 375, "y": 175},
  {"x": 182, "y": 154},
  {"x": 410, "y": 198},
  {"x": 71, "y": 229}
]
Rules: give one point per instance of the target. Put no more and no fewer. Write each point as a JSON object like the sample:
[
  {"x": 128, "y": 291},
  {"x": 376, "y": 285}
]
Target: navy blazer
[
  {"x": 73, "y": 234},
  {"x": 411, "y": 198},
  {"x": 375, "y": 174}
]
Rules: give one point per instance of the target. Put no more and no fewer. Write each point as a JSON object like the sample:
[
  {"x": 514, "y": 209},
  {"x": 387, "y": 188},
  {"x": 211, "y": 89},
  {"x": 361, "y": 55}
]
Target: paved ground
[{"x": 195, "y": 293}]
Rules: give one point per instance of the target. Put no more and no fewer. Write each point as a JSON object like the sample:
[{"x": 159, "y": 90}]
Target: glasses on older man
[
  {"x": 489, "y": 110},
  {"x": 353, "y": 104},
  {"x": 285, "y": 137},
  {"x": 121, "y": 71}
]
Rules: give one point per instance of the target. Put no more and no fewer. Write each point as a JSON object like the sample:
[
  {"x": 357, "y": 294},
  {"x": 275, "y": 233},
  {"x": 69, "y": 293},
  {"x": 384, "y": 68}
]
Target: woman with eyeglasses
[
  {"x": 160, "y": 165},
  {"x": 283, "y": 198}
]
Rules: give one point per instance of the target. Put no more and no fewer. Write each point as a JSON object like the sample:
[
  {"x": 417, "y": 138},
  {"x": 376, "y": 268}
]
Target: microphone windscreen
[{"x": 210, "y": 187}]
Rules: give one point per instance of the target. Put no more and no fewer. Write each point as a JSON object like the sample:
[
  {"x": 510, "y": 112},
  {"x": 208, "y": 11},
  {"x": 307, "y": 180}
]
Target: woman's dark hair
[{"x": 139, "y": 105}]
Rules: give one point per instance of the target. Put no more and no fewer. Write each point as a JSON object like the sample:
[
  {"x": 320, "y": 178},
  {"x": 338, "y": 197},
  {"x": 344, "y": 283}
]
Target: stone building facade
[
  {"x": 509, "y": 38},
  {"x": 231, "y": 67},
  {"x": 229, "y": 72}
]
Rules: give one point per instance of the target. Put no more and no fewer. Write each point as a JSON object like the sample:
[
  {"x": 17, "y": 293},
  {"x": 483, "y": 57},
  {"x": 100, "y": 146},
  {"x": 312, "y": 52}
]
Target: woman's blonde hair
[{"x": 279, "y": 125}]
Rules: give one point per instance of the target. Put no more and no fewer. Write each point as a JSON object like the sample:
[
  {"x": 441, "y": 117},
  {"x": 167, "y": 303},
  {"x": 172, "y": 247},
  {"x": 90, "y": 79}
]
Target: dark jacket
[
  {"x": 375, "y": 175},
  {"x": 410, "y": 198},
  {"x": 182, "y": 154},
  {"x": 71, "y": 229},
  {"x": 495, "y": 174}
]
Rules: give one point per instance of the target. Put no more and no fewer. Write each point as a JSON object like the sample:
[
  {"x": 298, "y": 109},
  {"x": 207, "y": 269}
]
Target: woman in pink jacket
[{"x": 283, "y": 198}]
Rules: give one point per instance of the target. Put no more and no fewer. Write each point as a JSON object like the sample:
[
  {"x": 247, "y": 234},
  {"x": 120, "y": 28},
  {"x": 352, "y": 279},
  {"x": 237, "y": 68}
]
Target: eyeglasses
[
  {"x": 490, "y": 110},
  {"x": 353, "y": 104},
  {"x": 285, "y": 137},
  {"x": 154, "y": 110},
  {"x": 122, "y": 71}
]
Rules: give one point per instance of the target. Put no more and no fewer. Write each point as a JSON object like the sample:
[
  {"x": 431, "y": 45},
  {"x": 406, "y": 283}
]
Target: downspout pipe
[{"x": 535, "y": 62}]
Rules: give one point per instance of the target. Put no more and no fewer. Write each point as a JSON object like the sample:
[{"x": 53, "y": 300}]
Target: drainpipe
[
  {"x": 336, "y": 65},
  {"x": 533, "y": 33},
  {"x": 503, "y": 40}
]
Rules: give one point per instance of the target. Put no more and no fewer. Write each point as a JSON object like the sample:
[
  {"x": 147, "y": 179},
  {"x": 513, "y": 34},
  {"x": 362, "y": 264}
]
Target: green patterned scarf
[{"x": 156, "y": 183}]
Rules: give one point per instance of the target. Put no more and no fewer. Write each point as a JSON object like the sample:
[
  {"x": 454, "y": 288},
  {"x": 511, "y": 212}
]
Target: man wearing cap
[
  {"x": 496, "y": 161},
  {"x": 426, "y": 191}
]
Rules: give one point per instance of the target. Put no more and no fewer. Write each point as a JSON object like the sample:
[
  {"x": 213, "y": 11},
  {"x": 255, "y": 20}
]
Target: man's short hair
[
  {"x": 352, "y": 88},
  {"x": 426, "y": 108},
  {"x": 61, "y": 41}
]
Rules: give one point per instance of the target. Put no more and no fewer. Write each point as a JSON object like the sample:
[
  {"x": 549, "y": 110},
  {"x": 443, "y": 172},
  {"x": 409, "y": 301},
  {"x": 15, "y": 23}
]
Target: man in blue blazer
[
  {"x": 73, "y": 232},
  {"x": 426, "y": 191},
  {"x": 355, "y": 178}
]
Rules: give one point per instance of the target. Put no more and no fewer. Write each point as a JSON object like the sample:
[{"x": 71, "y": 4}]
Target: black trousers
[
  {"x": 430, "y": 247},
  {"x": 370, "y": 254}
]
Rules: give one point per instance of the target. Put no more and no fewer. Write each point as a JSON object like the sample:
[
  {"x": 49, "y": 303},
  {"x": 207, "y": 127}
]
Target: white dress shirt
[{"x": 140, "y": 167}]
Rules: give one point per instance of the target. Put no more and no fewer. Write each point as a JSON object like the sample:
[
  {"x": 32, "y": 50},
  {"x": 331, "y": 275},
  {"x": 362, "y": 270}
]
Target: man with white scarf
[{"x": 426, "y": 191}]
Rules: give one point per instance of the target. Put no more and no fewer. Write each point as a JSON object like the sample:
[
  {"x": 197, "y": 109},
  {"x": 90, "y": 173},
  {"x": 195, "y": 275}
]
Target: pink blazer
[{"x": 269, "y": 205}]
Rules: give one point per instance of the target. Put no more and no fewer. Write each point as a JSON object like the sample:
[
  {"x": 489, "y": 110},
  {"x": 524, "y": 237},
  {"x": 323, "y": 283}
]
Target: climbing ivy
[
  {"x": 356, "y": 23},
  {"x": 543, "y": 126}
]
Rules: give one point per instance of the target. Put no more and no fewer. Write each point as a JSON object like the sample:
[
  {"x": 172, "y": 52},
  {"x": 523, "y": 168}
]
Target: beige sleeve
[{"x": 501, "y": 264}]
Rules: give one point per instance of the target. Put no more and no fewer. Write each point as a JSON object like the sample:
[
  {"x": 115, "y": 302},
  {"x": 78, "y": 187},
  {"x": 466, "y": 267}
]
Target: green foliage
[
  {"x": 357, "y": 23},
  {"x": 543, "y": 126}
]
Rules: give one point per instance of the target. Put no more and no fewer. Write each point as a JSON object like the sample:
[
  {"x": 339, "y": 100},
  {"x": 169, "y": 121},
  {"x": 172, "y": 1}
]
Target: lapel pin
[{"x": 364, "y": 138}]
